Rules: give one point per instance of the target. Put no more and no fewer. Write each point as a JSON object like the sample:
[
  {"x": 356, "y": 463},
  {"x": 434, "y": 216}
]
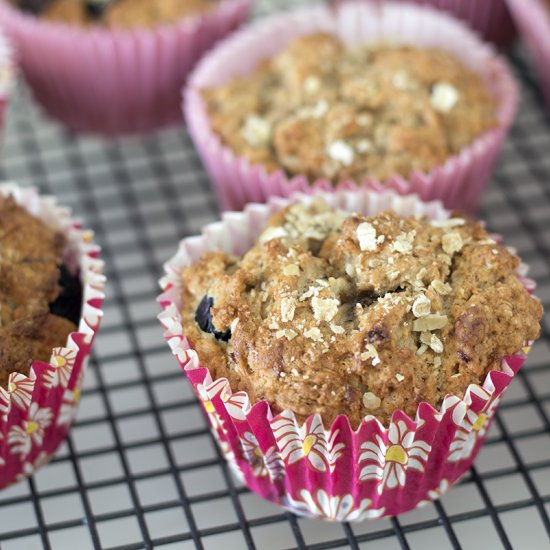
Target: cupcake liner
[
  {"x": 333, "y": 473},
  {"x": 7, "y": 74},
  {"x": 459, "y": 182},
  {"x": 36, "y": 411},
  {"x": 490, "y": 18},
  {"x": 115, "y": 81},
  {"x": 533, "y": 20}
]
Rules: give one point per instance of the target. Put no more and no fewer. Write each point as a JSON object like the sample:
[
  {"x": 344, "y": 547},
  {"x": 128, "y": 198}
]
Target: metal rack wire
[{"x": 140, "y": 469}]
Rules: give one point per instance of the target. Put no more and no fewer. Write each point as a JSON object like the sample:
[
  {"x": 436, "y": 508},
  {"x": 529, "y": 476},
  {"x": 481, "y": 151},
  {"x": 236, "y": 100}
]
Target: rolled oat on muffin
[{"x": 334, "y": 314}]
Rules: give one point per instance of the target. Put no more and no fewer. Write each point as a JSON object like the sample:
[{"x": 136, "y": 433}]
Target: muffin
[
  {"x": 114, "y": 67},
  {"x": 533, "y": 20},
  {"x": 368, "y": 96},
  {"x": 332, "y": 314},
  {"x": 31, "y": 291},
  {"x": 128, "y": 14},
  {"x": 50, "y": 297},
  {"x": 333, "y": 112},
  {"x": 353, "y": 348}
]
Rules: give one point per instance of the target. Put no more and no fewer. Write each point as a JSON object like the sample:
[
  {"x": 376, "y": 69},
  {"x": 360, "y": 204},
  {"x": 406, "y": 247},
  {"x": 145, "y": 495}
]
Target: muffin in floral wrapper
[
  {"x": 353, "y": 468},
  {"x": 38, "y": 408},
  {"x": 114, "y": 80},
  {"x": 458, "y": 181},
  {"x": 491, "y": 18},
  {"x": 533, "y": 19}
]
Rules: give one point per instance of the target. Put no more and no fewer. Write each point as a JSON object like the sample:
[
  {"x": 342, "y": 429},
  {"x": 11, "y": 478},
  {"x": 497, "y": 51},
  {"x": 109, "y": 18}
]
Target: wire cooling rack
[{"x": 140, "y": 468}]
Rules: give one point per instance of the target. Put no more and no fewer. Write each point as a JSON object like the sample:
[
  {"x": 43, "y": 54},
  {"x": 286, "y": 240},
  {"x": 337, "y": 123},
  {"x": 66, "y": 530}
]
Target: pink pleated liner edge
[
  {"x": 533, "y": 19},
  {"x": 115, "y": 81},
  {"x": 36, "y": 411},
  {"x": 7, "y": 73},
  {"x": 489, "y": 18},
  {"x": 459, "y": 183},
  {"x": 334, "y": 474}
]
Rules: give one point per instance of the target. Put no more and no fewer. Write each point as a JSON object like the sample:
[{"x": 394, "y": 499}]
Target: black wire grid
[{"x": 140, "y": 468}]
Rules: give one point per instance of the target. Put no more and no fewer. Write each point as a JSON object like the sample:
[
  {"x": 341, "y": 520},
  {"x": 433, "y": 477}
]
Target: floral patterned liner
[
  {"x": 336, "y": 473},
  {"x": 36, "y": 411},
  {"x": 459, "y": 182}
]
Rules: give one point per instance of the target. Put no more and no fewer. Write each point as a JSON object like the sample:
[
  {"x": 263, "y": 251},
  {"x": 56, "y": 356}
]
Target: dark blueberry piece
[
  {"x": 463, "y": 356},
  {"x": 377, "y": 335},
  {"x": 203, "y": 317},
  {"x": 95, "y": 8},
  {"x": 69, "y": 301},
  {"x": 365, "y": 297}
]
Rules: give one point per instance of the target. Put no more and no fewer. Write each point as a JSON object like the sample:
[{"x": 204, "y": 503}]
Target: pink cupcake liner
[
  {"x": 459, "y": 183},
  {"x": 490, "y": 18},
  {"x": 333, "y": 473},
  {"x": 36, "y": 411},
  {"x": 115, "y": 81},
  {"x": 533, "y": 20},
  {"x": 7, "y": 74}
]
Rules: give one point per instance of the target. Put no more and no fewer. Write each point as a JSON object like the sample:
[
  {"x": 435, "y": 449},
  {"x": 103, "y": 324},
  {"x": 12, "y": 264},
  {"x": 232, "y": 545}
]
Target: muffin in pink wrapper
[
  {"x": 533, "y": 19},
  {"x": 490, "y": 18},
  {"x": 113, "y": 80},
  {"x": 456, "y": 179},
  {"x": 356, "y": 466},
  {"x": 38, "y": 408}
]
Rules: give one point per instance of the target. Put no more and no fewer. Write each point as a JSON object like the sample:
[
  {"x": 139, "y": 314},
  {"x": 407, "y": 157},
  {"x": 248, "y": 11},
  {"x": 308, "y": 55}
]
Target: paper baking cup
[
  {"x": 459, "y": 183},
  {"x": 533, "y": 20},
  {"x": 489, "y": 18},
  {"x": 115, "y": 81},
  {"x": 7, "y": 74},
  {"x": 332, "y": 473},
  {"x": 36, "y": 411}
]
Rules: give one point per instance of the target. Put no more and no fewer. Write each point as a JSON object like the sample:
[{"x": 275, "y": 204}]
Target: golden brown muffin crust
[
  {"x": 128, "y": 14},
  {"x": 337, "y": 314},
  {"x": 30, "y": 253},
  {"x": 327, "y": 111}
]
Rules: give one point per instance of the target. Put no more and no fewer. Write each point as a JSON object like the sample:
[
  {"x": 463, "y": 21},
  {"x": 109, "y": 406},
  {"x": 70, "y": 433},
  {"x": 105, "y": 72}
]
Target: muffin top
[
  {"x": 334, "y": 314},
  {"x": 30, "y": 256},
  {"x": 325, "y": 110},
  {"x": 115, "y": 13}
]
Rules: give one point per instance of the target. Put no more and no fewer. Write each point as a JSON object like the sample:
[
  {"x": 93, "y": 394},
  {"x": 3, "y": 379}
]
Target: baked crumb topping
[
  {"x": 325, "y": 110},
  {"x": 356, "y": 306}
]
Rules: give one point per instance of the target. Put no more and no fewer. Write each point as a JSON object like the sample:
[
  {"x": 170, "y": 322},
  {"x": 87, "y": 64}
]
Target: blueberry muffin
[
  {"x": 335, "y": 314},
  {"x": 115, "y": 13},
  {"x": 328, "y": 111},
  {"x": 40, "y": 300}
]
